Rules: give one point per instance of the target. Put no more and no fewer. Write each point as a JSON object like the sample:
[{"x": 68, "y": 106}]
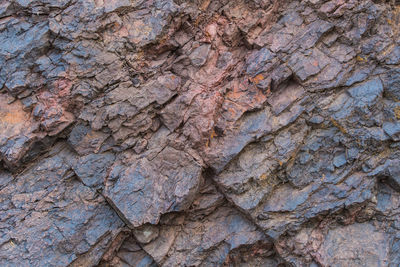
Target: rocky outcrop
[{"x": 199, "y": 133}]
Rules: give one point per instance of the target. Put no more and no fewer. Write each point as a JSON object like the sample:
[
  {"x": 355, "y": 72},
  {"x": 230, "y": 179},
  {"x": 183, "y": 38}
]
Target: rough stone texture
[
  {"x": 50, "y": 218},
  {"x": 211, "y": 233},
  {"x": 124, "y": 252},
  {"x": 199, "y": 133},
  {"x": 143, "y": 189}
]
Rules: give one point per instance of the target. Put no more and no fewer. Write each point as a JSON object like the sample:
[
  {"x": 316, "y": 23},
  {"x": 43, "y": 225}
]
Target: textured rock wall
[{"x": 199, "y": 133}]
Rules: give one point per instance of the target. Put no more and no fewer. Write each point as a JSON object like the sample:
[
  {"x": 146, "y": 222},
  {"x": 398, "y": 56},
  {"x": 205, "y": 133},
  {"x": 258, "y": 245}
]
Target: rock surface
[{"x": 199, "y": 133}]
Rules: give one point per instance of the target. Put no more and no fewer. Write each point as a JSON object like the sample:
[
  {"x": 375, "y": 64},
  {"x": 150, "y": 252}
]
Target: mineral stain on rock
[{"x": 199, "y": 133}]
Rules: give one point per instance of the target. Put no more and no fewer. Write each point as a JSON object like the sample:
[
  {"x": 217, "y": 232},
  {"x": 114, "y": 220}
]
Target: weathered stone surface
[
  {"x": 92, "y": 169},
  {"x": 223, "y": 231},
  {"x": 17, "y": 131},
  {"x": 334, "y": 240},
  {"x": 128, "y": 253},
  {"x": 222, "y": 133},
  {"x": 249, "y": 178},
  {"x": 53, "y": 219},
  {"x": 199, "y": 55},
  {"x": 392, "y": 129},
  {"x": 146, "y": 233},
  {"x": 145, "y": 189},
  {"x": 340, "y": 248},
  {"x": 284, "y": 97},
  {"x": 211, "y": 234}
]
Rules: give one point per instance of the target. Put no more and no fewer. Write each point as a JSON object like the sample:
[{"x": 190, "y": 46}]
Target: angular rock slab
[
  {"x": 248, "y": 129},
  {"x": 248, "y": 179},
  {"x": 208, "y": 241},
  {"x": 211, "y": 233},
  {"x": 336, "y": 240},
  {"x": 49, "y": 218},
  {"x": 17, "y": 131},
  {"x": 144, "y": 189},
  {"x": 284, "y": 185},
  {"x": 288, "y": 208},
  {"x": 92, "y": 169},
  {"x": 342, "y": 246},
  {"x": 130, "y": 254}
]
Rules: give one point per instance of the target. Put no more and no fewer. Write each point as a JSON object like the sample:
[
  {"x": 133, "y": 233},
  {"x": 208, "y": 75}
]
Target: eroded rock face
[
  {"x": 199, "y": 133},
  {"x": 50, "y": 218},
  {"x": 142, "y": 190}
]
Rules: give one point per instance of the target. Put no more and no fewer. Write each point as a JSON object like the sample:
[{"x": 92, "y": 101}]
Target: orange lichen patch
[
  {"x": 207, "y": 143},
  {"x": 292, "y": 158},
  {"x": 268, "y": 180},
  {"x": 247, "y": 94},
  {"x": 12, "y": 117},
  {"x": 388, "y": 50},
  {"x": 361, "y": 59},
  {"x": 261, "y": 97},
  {"x": 337, "y": 125},
  {"x": 258, "y": 79},
  {"x": 240, "y": 98},
  {"x": 315, "y": 63},
  {"x": 213, "y": 134},
  {"x": 396, "y": 111},
  {"x": 12, "y": 114}
]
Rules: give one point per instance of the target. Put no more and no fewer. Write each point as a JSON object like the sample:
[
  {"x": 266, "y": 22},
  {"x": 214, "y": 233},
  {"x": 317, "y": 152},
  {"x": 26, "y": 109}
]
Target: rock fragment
[{"x": 145, "y": 189}]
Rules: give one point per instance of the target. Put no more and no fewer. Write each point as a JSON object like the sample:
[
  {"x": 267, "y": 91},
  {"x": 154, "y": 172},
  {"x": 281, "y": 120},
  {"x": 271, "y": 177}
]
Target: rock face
[{"x": 199, "y": 133}]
